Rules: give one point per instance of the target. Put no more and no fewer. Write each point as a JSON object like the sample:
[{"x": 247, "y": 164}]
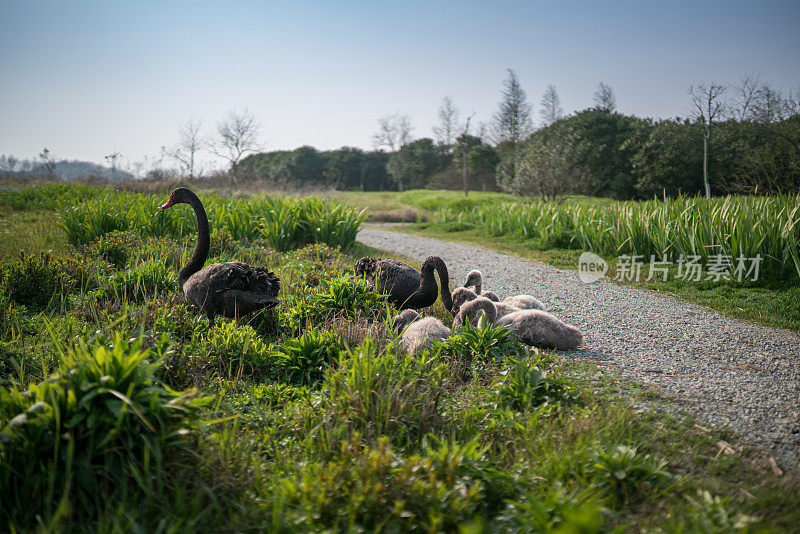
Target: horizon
[{"x": 101, "y": 78}]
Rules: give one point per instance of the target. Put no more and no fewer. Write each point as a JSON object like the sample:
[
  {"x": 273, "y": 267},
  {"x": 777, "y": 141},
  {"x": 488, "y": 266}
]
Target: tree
[
  {"x": 190, "y": 142},
  {"x": 238, "y": 135},
  {"x": 746, "y": 93},
  {"x": 448, "y": 123},
  {"x": 483, "y": 161},
  {"x": 512, "y": 122},
  {"x": 707, "y": 100},
  {"x": 417, "y": 161},
  {"x": 48, "y": 164},
  {"x": 768, "y": 105},
  {"x": 604, "y": 98},
  {"x": 544, "y": 167},
  {"x": 394, "y": 131},
  {"x": 551, "y": 106},
  {"x": 465, "y": 153}
]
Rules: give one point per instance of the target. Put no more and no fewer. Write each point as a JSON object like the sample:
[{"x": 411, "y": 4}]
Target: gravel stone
[{"x": 726, "y": 372}]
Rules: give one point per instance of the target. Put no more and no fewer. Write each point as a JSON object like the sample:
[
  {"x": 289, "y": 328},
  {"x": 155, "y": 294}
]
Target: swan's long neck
[
  {"x": 200, "y": 253},
  {"x": 427, "y": 284},
  {"x": 482, "y": 305},
  {"x": 444, "y": 281}
]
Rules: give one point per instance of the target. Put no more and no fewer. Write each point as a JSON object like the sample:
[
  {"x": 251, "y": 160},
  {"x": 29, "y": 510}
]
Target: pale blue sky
[{"x": 86, "y": 77}]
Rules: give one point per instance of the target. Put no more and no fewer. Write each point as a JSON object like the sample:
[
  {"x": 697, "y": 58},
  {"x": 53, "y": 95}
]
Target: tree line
[{"x": 742, "y": 138}]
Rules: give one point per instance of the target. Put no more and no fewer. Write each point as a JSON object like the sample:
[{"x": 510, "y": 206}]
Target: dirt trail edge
[{"x": 727, "y": 372}]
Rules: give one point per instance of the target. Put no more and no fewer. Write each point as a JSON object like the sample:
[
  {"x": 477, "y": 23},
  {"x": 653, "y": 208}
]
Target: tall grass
[
  {"x": 284, "y": 223},
  {"x": 691, "y": 226}
]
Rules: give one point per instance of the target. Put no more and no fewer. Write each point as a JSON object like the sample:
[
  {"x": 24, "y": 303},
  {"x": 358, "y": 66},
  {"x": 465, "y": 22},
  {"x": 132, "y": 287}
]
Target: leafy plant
[
  {"x": 343, "y": 296},
  {"x": 96, "y": 426},
  {"x": 625, "y": 470},
  {"x": 376, "y": 394},
  {"x": 115, "y": 247},
  {"x": 305, "y": 359},
  {"x": 232, "y": 350},
  {"x": 34, "y": 281},
  {"x": 524, "y": 387},
  {"x": 554, "y": 510},
  {"x": 471, "y": 348},
  {"x": 374, "y": 488}
]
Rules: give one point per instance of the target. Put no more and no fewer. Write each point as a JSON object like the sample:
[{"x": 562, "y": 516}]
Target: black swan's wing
[
  {"x": 244, "y": 277},
  {"x": 233, "y": 288}
]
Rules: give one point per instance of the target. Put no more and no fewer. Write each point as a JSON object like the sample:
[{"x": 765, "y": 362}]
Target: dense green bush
[
  {"x": 524, "y": 386},
  {"x": 470, "y": 349},
  {"x": 625, "y": 470},
  {"x": 374, "y": 488},
  {"x": 115, "y": 247},
  {"x": 101, "y": 427},
  {"x": 338, "y": 297},
  {"x": 304, "y": 360},
  {"x": 35, "y": 281},
  {"x": 373, "y": 394}
]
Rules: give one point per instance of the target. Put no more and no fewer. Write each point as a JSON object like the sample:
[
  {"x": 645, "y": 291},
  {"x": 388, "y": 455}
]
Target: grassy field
[{"x": 121, "y": 410}]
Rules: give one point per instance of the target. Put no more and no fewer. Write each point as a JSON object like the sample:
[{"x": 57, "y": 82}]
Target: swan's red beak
[{"x": 167, "y": 204}]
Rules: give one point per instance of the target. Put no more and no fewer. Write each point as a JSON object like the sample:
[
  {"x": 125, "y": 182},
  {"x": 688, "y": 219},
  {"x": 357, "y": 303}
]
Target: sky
[{"x": 88, "y": 78}]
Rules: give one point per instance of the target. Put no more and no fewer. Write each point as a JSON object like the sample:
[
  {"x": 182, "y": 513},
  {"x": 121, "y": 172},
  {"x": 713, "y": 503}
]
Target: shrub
[
  {"x": 34, "y": 281},
  {"x": 339, "y": 297},
  {"x": 625, "y": 470},
  {"x": 376, "y": 394},
  {"x": 377, "y": 489},
  {"x": 557, "y": 510},
  {"x": 115, "y": 247},
  {"x": 710, "y": 513},
  {"x": 304, "y": 360},
  {"x": 231, "y": 350},
  {"x": 102, "y": 424},
  {"x": 471, "y": 348},
  {"x": 142, "y": 281},
  {"x": 525, "y": 387}
]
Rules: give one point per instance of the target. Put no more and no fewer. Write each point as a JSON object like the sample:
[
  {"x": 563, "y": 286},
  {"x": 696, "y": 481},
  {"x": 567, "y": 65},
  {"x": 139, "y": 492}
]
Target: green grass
[
  {"x": 121, "y": 410},
  {"x": 29, "y": 230}
]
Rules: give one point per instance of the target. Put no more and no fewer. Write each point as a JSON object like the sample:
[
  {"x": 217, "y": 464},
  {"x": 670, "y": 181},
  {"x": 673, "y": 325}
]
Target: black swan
[
  {"x": 523, "y": 302},
  {"x": 231, "y": 289},
  {"x": 407, "y": 287},
  {"x": 418, "y": 332}
]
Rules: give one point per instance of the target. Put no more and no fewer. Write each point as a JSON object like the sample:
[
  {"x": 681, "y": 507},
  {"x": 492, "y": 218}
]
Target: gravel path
[{"x": 726, "y": 372}]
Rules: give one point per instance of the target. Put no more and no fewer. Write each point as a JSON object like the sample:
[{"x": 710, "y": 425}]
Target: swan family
[{"x": 234, "y": 289}]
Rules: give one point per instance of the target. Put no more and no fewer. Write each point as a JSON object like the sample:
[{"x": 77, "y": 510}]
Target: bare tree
[
  {"x": 792, "y": 102},
  {"x": 551, "y": 106},
  {"x": 238, "y": 136},
  {"x": 512, "y": 122},
  {"x": 112, "y": 159},
  {"x": 745, "y": 94},
  {"x": 769, "y": 105},
  {"x": 48, "y": 164},
  {"x": 190, "y": 142},
  {"x": 448, "y": 123},
  {"x": 604, "y": 98},
  {"x": 394, "y": 131},
  {"x": 707, "y": 100}
]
